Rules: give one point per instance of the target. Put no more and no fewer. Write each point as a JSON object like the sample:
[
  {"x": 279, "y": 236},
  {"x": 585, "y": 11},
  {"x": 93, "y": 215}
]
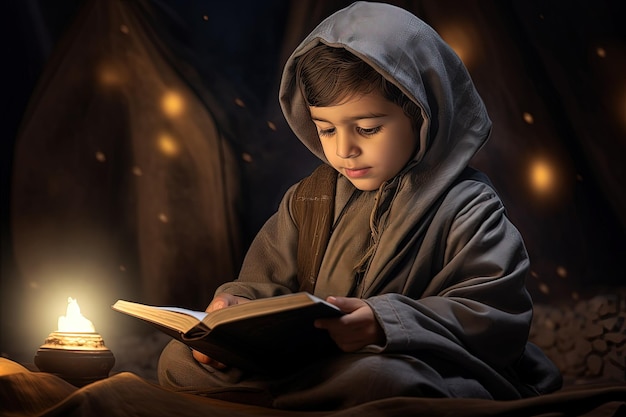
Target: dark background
[{"x": 74, "y": 219}]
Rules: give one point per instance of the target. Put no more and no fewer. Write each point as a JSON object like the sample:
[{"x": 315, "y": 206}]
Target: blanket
[{"x": 24, "y": 393}]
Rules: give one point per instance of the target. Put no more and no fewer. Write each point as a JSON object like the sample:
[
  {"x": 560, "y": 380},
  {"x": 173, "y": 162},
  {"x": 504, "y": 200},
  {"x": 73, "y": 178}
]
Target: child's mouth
[{"x": 356, "y": 173}]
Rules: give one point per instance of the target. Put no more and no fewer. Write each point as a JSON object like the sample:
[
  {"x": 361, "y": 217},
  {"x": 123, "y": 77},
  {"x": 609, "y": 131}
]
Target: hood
[{"x": 410, "y": 54}]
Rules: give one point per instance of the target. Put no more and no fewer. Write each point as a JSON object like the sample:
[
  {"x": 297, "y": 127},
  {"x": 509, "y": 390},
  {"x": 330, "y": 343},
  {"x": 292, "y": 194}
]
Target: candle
[{"x": 75, "y": 352}]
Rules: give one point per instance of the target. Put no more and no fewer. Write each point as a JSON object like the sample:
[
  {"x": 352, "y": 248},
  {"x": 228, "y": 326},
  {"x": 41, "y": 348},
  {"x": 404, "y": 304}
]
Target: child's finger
[{"x": 346, "y": 304}]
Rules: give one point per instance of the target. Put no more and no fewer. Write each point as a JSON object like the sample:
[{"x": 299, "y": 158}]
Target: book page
[
  {"x": 200, "y": 315},
  {"x": 180, "y": 320}
]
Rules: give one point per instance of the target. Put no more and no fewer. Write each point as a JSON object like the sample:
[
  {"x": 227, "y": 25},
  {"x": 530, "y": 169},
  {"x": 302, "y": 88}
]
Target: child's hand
[
  {"x": 224, "y": 300},
  {"x": 220, "y": 301},
  {"x": 357, "y": 329}
]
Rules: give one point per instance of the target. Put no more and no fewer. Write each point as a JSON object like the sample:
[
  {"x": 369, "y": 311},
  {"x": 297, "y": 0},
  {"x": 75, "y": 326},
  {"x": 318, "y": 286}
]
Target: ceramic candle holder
[{"x": 78, "y": 358}]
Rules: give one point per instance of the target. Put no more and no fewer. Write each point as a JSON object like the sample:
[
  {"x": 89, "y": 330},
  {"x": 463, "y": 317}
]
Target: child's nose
[{"x": 346, "y": 146}]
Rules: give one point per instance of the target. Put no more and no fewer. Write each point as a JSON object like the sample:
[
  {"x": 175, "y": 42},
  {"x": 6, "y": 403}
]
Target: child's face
[{"x": 367, "y": 138}]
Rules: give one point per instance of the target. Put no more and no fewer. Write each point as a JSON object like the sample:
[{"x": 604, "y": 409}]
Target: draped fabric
[
  {"x": 28, "y": 394},
  {"x": 126, "y": 180}
]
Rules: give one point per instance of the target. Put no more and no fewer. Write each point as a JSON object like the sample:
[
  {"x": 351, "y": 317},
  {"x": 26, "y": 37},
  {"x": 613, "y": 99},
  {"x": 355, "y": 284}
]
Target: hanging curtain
[{"x": 124, "y": 181}]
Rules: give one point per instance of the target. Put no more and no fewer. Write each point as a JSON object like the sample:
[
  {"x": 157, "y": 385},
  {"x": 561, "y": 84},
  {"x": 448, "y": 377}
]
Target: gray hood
[{"x": 422, "y": 65}]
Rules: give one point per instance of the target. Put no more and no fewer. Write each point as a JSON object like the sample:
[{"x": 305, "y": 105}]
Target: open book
[{"x": 264, "y": 335}]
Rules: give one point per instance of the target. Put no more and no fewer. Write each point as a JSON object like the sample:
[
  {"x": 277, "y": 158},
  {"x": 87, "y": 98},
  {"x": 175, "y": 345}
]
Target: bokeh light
[
  {"x": 109, "y": 76},
  {"x": 168, "y": 145},
  {"x": 542, "y": 177},
  {"x": 172, "y": 104},
  {"x": 549, "y": 181},
  {"x": 463, "y": 39}
]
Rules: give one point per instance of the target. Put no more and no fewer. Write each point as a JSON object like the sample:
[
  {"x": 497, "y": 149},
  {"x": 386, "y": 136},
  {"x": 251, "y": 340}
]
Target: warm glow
[
  {"x": 108, "y": 76},
  {"x": 73, "y": 321},
  {"x": 463, "y": 39},
  {"x": 172, "y": 104},
  {"x": 542, "y": 177},
  {"x": 622, "y": 107},
  {"x": 167, "y": 145},
  {"x": 528, "y": 118},
  {"x": 550, "y": 181},
  {"x": 101, "y": 157}
]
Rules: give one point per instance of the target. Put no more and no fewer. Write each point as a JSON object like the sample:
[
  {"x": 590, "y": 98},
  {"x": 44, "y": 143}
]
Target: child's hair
[{"x": 328, "y": 75}]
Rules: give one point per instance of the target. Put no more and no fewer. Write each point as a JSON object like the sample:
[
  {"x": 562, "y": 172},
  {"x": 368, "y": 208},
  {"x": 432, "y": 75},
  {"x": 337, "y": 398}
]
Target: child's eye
[
  {"x": 326, "y": 132},
  {"x": 369, "y": 131}
]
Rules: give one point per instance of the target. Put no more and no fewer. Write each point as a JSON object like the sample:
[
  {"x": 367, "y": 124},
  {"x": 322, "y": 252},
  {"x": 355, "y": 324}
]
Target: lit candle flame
[{"x": 73, "y": 321}]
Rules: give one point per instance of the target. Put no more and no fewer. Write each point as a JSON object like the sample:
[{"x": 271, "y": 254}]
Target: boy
[{"x": 420, "y": 254}]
